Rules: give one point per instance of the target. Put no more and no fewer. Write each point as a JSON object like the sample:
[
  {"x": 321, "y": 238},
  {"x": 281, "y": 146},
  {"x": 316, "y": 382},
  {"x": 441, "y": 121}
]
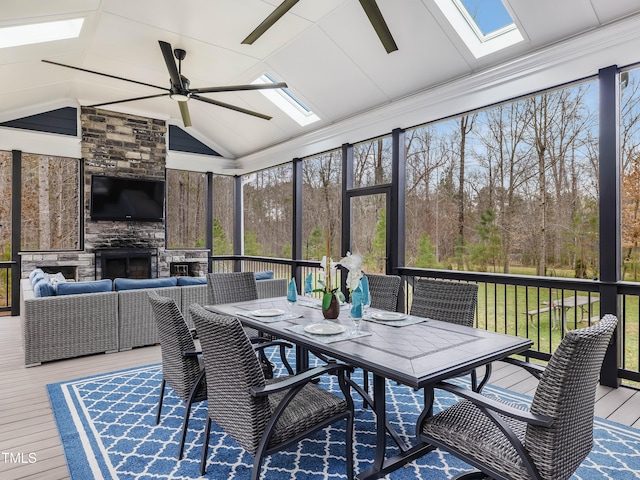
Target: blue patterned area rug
[{"x": 108, "y": 431}]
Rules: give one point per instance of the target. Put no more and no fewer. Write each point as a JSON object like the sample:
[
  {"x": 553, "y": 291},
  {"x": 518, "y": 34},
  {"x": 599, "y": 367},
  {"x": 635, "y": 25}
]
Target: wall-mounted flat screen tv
[{"x": 118, "y": 198}]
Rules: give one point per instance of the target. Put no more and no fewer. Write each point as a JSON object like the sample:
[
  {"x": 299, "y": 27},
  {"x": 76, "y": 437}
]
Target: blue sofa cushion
[
  {"x": 42, "y": 288},
  {"x": 95, "y": 286},
  {"x": 33, "y": 273},
  {"x": 135, "y": 284},
  {"x": 266, "y": 275},
  {"x": 37, "y": 277},
  {"x": 185, "y": 281}
]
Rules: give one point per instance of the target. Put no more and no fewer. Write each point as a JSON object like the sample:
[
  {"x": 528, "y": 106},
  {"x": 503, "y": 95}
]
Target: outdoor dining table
[{"x": 414, "y": 351}]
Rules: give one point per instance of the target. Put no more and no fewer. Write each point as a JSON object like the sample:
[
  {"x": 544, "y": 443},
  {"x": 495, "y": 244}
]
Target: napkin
[
  {"x": 308, "y": 286},
  {"x": 292, "y": 291},
  {"x": 366, "y": 299},
  {"x": 356, "y": 301}
]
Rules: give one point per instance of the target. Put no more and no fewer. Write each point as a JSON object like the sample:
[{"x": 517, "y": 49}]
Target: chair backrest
[
  {"x": 566, "y": 392},
  {"x": 451, "y": 302},
  {"x": 180, "y": 372},
  {"x": 232, "y": 369},
  {"x": 384, "y": 290},
  {"x": 231, "y": 287}
]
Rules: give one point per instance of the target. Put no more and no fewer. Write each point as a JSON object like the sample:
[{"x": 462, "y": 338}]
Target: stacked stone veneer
[{"x": 120, "y": 145}]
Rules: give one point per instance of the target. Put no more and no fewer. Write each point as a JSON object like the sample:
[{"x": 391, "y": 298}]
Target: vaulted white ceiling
[{"x": 326, "y": 51}]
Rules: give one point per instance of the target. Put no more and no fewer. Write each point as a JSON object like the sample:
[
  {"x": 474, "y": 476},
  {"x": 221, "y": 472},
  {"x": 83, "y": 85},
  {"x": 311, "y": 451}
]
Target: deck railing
[
  {"x": 539, "y": 308},
  {"x": 6, "y": 269}
]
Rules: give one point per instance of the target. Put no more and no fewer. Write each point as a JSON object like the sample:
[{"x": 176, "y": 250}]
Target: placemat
[
  {"x": 348, "y": 334},
  {"x": 277, "y": 318},
  {"x": 410, "y": 320}
]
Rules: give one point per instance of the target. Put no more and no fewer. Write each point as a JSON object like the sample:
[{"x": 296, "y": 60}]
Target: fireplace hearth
[{"x": 125, "y": 263}]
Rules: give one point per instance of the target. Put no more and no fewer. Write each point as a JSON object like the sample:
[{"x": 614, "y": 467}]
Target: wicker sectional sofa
[{"x": 58, "y": 327}]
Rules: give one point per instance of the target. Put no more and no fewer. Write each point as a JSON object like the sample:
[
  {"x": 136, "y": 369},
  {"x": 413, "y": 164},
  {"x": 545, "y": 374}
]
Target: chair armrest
[
  {"x": 299, "y": 379},
  {"x": 261, "y": 345},
  {"x": 496, "y": 406},
  {"x": 191, "y": 353},
  {"x": 533, "y": 368}
]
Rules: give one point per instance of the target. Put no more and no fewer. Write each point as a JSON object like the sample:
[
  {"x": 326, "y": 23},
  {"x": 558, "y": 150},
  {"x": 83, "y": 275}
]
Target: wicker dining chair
[
  {"x": 384, "y": 291},
  {"x": 181, "y": 367},
  {"x": 452, "y": 302},
  {"x": 231, "y": 287},
  {"x": 546, "y": 442},
  {"x": 264, "y": 416}
]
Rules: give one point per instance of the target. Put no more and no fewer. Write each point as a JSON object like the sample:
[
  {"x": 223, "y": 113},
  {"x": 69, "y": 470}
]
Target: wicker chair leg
[
  {"x": 187, "y": 412},
  {"x": 205, "y": 447},
  {"x": 257, "y": 464},
  {"x": 164, "y": 382}
]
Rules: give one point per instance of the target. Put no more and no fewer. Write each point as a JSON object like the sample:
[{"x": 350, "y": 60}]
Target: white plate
[
  {"x": 267, "y": 312},
  {"x": 388, "y": 316},
  {"x": 325, "y": 328}
]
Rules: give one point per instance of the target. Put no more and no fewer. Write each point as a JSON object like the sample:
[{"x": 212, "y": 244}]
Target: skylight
[
  {"x": 287, "y": 102},
  {"x": 40, "y": 32},
  {"x": 484, "y": 25}
]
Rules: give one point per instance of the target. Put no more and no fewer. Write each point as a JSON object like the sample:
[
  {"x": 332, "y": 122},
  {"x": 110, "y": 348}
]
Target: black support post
[
  {"x": 396, "y": 230},
  {"x": 238, "y": 219},
  {"x": 16, "y": 228},
  {"x": 296, "y": 217},
  {"x": 609, "y": 229},
  {"x": 208, "y": 234}
]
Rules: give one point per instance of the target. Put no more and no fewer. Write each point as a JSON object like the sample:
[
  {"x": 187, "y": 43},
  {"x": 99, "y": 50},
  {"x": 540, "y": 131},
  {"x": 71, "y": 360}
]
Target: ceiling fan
[
  {"x": 370, "y": 8},
  {"x": 179, "y": 90}
]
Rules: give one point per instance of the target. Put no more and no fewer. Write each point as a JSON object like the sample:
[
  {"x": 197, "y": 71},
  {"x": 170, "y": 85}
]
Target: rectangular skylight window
[
  {"x": 287, "y": 102},
  {"x": 485, "y": 26},
  {"x": 40, "y": 32}
]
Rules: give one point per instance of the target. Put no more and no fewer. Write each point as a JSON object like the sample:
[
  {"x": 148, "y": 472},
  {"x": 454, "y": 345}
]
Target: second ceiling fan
[
  {"x": 370, "y": 7},
  {"x": 180, "y": 90}
]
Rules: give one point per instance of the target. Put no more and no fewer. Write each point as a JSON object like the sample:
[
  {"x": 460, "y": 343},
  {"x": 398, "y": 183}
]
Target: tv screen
[{"x": 117, "y": 198}]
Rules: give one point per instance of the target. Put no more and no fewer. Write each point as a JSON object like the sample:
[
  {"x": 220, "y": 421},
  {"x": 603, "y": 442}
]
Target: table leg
[{"x": 302, "y": 359}]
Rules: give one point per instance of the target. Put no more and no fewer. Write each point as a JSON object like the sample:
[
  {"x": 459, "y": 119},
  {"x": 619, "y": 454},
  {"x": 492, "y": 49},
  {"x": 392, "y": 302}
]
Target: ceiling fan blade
[
  {"x": 267, "y": 23},
  {"x": 184, "y": 111},
  {"x": 129, "y": 100},
  {"x": 167, "y": 53},
  {"x": 231, "y": 107},
  {"x": 379, "y": 25},
  {"x": 234, "y": 88},
  {"x": 104, "y": 74}
]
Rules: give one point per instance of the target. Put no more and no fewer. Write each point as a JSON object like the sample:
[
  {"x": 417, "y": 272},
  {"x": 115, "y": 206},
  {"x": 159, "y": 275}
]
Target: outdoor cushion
[
  {"x": 266, "y": 275},
  {"x": 135, "y": 284},
  {"x": 38, "y": 276},
  {"x": 94, "y": 286},
  {"x": 33, "y": 274},
  {"x": 42, "y": 288},
  {"x": 184, "y": 281}
]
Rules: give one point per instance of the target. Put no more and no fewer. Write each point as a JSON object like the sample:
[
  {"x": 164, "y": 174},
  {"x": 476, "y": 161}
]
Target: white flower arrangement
[{"x": 353, "y": 263}]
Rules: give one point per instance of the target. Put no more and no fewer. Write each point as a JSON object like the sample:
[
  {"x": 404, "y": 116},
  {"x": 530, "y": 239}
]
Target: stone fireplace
[{"x": 123, "y": 145}]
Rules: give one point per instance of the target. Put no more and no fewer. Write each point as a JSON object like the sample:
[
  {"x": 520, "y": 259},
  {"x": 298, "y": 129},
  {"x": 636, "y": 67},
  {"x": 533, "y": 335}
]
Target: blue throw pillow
[
  {"x": 94, "y": 286},
  {"x": 266, "y": 275},
  {"x": 33, "y": 273},
  {"x": 184, "y": 281},
  {"x": 135, "y": 284},
  {"x": 42, "y": 288},
  {"x": 37, "y": 277}
]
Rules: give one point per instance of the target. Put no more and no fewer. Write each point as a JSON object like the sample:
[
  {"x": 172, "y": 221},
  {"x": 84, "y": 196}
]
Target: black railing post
[{"x": 609, "y": 215}]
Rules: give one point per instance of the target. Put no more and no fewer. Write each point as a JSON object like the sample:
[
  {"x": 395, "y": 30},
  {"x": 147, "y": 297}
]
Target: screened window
[
  {"x": 223, "y": 208},
  {"x": 511, "y": 189},
  {"x": 630, "y": 157},
  {"x": 321, "y": 205},
  {"x": 267, "y": 212},
  {"x": 186, "y": 209},
  {"x": 50, "y": 203},
  {"x": 372, "y": 162}
]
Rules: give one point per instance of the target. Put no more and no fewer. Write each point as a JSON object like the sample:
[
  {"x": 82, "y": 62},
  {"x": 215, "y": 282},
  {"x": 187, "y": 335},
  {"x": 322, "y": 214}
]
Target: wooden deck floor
[{"x": 27, "y": 425}]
